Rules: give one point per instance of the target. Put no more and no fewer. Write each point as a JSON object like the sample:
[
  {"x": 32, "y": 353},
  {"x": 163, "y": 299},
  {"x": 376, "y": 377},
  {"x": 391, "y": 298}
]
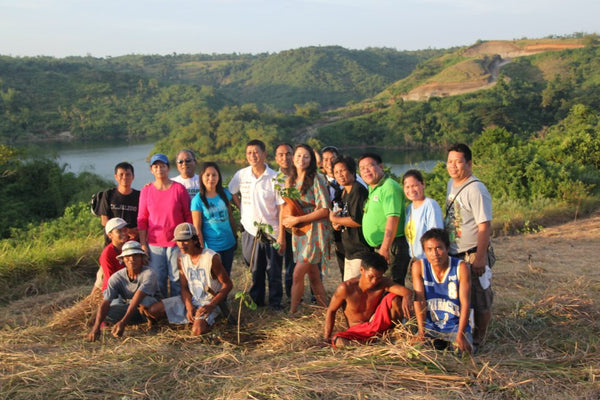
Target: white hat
[
  {"x": 114, "y": 223},
  {"x": 130, "y": 248}
]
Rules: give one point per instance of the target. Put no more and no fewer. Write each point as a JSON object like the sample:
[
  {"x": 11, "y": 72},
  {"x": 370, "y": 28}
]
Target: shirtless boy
[{"x": 373, "y": 303}]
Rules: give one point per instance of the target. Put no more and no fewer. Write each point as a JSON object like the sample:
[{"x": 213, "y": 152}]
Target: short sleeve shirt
[
  {"x": 216, "y": 227},
  {"x": 473, "y": 206},
  {"x": 259, "y": 200},
  {"x": 109, "y": 263},
  {"x": 120, "y": 284},
  {"x": 420, "y": 220},
  {"x": 353, "y": 206},
  {"x": 385, "y": 200},
  {"x": 125, "y": 206},
  {"x": 192, "y": 185}
]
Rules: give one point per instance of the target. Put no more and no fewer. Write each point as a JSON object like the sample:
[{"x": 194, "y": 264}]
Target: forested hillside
[
  {"x": 330, "y": 76},
  {"x": 151, "y": 96},
  {"x": 531, "y": 93}
]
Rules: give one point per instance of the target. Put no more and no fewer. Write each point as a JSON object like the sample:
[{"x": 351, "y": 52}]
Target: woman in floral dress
[{"x": 311, "y": 249}]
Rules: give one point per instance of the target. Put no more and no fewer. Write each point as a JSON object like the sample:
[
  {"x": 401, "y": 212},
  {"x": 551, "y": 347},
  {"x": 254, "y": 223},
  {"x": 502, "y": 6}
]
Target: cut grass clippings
[{"x": 542, "y": 344}]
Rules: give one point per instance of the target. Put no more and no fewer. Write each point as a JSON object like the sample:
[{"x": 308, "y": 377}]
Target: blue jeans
[
  {"x": 163, "y": 262},
  {"x": 227, "y": 259},
  {"x": 288, "y": 260},
  {"x": 266, "y": 261},
  {"x": 399, "y": 259}
]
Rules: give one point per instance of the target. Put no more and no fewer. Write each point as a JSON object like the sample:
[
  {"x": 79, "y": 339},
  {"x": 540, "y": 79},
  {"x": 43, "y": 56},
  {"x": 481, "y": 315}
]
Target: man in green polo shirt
[{"x": 383, "y": 215}]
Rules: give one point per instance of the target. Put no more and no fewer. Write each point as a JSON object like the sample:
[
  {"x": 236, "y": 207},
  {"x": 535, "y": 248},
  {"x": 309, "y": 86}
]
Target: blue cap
[{"x": 159, "y": 157}]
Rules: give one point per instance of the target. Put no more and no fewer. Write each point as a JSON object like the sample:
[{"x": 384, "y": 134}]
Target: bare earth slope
[
  {"x": 543, "y": 344},
  {"x": 505, "y": 49}
]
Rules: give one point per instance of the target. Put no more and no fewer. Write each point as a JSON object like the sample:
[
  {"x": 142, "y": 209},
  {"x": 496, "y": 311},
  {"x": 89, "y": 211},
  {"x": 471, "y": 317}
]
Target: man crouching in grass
[
  {"x": 373, "y": 303},
  {"x": 204, "y": 285},
  {"x": 135, "y": 283},
  {"x": 442, "y": 294}
]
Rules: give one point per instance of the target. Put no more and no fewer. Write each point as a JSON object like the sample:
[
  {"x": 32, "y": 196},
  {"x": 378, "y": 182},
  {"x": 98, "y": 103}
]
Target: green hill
[
  {"x": 149, "y": 95},
  {"x": 528, "y": 85}
]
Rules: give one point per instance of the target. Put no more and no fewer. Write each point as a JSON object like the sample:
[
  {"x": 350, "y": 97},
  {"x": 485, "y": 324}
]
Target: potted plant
[{"x": 290, "y": 196}]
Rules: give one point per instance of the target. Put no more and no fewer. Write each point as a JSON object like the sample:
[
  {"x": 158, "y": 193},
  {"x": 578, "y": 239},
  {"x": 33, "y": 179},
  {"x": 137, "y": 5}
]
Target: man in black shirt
[
  {"x": 122, "y": 201},
  {"x": 348, "y": 219}
]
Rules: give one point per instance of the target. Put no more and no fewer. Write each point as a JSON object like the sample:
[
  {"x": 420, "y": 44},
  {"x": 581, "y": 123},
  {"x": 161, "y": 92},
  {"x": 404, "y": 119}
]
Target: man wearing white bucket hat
[{"x": 136, "y": 285}]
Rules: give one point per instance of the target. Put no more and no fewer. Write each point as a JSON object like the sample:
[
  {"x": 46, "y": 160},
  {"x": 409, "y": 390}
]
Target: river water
[{"x": 101, "y": 158}]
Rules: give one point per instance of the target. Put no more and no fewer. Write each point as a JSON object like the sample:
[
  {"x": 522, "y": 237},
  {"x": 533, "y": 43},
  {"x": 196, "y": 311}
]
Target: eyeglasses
[
  {"x": 367, "y": 167},
  {"x": 187, "y": 161}
]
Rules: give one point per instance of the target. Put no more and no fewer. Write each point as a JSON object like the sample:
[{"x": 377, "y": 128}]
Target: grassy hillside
[
  {"x": 542, "y": 343},
  {"x": 471, "y": 68},
  {"x": 330, "y": 76}
]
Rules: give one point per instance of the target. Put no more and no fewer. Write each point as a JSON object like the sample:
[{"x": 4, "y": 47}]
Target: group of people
[{"x": 178, "y": 243}]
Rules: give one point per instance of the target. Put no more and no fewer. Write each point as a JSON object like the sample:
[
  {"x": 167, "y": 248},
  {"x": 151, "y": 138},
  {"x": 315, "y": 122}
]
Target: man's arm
[
  {"x": 483, "y": 241},
  {"x": 464, "y": 295},
  {"x": 232, "y": 223},
  {"x": 391, "y": 226},
  {"x": 348, "y": 222},
  {"x": 404, "y": 292},
  {"x": 337, "y": 300},
  {"x": 142, "y": 221},
  {"x": 104, "y": 208},
  {"x": 236, "y": 200},
  {"x": 281, "y": 236},
  {"x": 119, "y": 327},
  {"x": 144, "y": 240},
  {"x": 186, "y": 296},
  {"x": 234, "y": 189},
  {"x": 197, "y": 222},
  {"x": 100, "y": 315},
  {"x": 420, "y": 303},
  {"x": 218, "y": 271}
]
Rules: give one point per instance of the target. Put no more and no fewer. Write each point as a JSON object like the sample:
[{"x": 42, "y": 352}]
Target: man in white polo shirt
[{"x": 254, "y": 193}]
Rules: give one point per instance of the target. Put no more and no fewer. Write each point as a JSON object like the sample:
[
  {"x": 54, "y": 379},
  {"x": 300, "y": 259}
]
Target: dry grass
[
  {"x": 470, "y": 70},
  {"x": 543, "y": 343}
]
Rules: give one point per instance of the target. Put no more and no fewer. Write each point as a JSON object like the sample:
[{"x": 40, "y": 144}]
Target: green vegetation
[
  {"x": 536, "y": 144},
  {"x": 531, "y": 94},
  {"x": 224, "y": 134},
  {"x": 538, "y": 179},
  {"x": 43, "y": 257},
  {"x": 34, "y": 190},
  {"x": 535, "y": 134},
  {"x": 152, "y": 96},
  {"x": 46, "y": 227}
]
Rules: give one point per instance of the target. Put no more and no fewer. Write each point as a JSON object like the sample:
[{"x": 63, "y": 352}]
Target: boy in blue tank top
[{"x": 442, "y": 286}]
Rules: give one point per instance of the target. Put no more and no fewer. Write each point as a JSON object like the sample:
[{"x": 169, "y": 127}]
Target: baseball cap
[
  {"x": 130, "y": 248},
  {"x": 184, "y": 231},
  {"x": 159, "y": 157},
  {"x": 114, "y": 223}
]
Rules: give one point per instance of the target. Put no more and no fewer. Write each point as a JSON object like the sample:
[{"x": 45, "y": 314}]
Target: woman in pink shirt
[{"x": 164, "y": 204}]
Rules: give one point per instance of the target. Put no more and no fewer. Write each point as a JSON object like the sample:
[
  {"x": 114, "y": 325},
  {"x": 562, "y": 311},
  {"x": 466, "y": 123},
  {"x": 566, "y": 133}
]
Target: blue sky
[{"x": 111, "y": 28}]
